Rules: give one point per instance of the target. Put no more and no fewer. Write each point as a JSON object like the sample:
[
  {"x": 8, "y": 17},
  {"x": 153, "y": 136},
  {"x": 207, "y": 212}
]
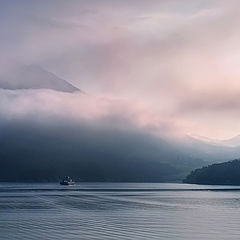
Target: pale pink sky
[{"x": 164, "y": 64}]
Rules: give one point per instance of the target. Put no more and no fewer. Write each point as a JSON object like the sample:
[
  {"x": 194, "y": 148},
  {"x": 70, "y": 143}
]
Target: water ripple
[{"x": 115, "y": 211}]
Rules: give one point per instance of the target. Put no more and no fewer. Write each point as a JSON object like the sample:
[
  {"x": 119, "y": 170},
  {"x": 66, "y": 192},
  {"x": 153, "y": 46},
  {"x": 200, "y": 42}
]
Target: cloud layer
[{"x": 157, "y": 63}]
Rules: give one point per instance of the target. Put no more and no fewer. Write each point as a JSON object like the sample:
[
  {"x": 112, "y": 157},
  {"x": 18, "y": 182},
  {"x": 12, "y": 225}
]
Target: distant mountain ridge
[
  {"x": 33, "y": 77},
  {"x": 231, "y": 142},
  {"x": 235, "y": 141},
  {"x": 209, "y": 152}
]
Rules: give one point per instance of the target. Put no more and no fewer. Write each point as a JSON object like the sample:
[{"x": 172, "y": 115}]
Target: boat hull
[{"x": 67, "y": 183}]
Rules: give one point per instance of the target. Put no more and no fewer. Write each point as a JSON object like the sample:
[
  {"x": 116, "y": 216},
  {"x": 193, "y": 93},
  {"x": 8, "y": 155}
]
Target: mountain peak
[{"x": 33, "y": 77}]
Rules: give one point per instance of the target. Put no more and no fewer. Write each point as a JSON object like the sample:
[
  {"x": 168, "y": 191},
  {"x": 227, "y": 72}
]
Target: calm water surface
[{"x": 119, "y": 211}]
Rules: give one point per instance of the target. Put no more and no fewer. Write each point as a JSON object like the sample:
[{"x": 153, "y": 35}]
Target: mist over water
[{"x": 118, "y": 211}]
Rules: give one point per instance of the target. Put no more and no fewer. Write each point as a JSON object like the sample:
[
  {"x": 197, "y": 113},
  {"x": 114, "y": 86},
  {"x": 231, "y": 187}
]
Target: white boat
[{"x": 67, "y": 181}]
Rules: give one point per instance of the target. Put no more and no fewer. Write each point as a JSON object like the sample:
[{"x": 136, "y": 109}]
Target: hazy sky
[{"x": 163, "y": 65}]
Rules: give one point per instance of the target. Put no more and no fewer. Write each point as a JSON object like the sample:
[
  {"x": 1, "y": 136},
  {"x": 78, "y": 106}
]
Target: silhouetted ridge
[{"x": 221, "y": 173}]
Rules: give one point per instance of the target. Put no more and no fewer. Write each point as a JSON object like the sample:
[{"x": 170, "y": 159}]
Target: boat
[{"x": 67, "y": 181}]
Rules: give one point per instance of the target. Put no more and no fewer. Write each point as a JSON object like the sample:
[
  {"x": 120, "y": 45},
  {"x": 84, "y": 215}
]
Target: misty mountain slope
[
  {"x": 33, "y": 77},
  {"x": 44, "y": 153},
  {"x": 235, "y": 141},
  {"x": 232, "y": 142},
  {"x": 210, "y": 152}
]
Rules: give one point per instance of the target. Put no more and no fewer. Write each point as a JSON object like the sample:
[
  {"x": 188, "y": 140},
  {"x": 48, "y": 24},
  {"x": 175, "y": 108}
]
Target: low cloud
[
  {"x": 220, "y": 102},
  {"x": 50, "y": 106}
]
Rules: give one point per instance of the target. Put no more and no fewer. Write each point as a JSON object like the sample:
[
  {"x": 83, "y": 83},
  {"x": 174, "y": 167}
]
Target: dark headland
[{"x": 227, "y": 173}]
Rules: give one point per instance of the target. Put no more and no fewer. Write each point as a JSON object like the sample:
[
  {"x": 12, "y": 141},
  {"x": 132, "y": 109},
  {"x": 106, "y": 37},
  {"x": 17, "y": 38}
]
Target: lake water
[{"x": 119, "y": 211}]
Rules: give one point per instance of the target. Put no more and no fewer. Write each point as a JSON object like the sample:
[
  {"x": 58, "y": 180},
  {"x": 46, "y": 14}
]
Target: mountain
[
  {"x": 232, "y": 142},
  {"x": 33, "y": 77},
  {"x": 221, "y": 174},
  {"x": 33, "y": 151},
  {"x": 210, "y": 151},
  {"x": 30, "y": 152}
]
